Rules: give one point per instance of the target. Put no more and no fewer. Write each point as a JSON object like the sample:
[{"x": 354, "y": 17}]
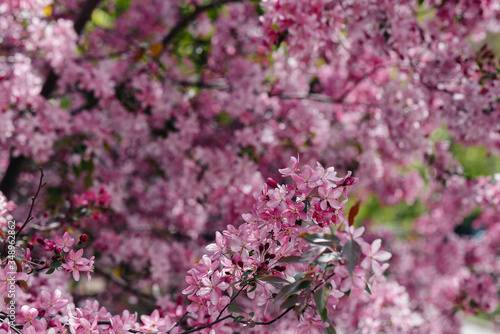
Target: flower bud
[
  {"x": 83, "y": 238},
  {"x": 30, "y": 246},
  {"x": 40, "y": 241},
  {"x": 271, "y": 182}
]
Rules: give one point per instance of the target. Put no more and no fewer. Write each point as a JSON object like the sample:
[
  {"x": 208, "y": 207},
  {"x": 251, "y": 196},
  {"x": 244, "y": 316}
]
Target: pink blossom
[
  {"x": 374, "y": 255},
  {"x": 52, "y": 302},
  {"x": 75, "y": 263},
  {"x": 66, "y": 242}
]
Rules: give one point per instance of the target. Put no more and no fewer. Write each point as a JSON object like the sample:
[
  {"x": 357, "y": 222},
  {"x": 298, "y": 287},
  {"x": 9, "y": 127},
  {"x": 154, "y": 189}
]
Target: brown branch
[
  {"x": 307, "y": 96},
  {"x": 210, "y": 324},
  {"x": 357, "y": 82},
  {"x": 11, "y": 175},
  {"x": 275, "y": 319},
  {"x": 124, "y": 284},
  {"x": 200, "y": 84},
  {"x": 325, "y": 98},
  {"x": 184, "y": 23},
  {"x": 178, "y": 321},
  {"x": 185, "y": 332},
  {"x": 196, "y": 329},
  {"x": 33, "y": 199}
]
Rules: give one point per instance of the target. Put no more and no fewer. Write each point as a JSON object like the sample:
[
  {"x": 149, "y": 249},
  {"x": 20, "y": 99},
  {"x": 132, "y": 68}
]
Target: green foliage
[
  {"x": 476, "y": 161},
  {"x": 398, "y": 217},
  {"x": 195, "y": 49},
  {"x": 235, "y": 309},
  {"x": 288, "y": 290},
  {"x": 122, "y": 5},
  {"x": 102, "y": 19},
  {"x": 321, "y": 298}
]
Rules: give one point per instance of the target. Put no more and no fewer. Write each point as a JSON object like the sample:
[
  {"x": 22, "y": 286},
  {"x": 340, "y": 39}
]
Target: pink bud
[
  {"x": 271, "y": 182},
  {"x": 83, "y": 238}
]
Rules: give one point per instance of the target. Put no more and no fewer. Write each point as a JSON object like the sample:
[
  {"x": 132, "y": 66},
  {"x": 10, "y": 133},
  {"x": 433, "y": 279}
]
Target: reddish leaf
[{"x": 353, "y": 213}]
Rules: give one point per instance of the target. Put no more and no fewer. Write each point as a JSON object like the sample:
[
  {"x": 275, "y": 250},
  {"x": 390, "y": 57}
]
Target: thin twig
[
  {"x": 210, "y": 324},
  {"x": 178, "y": 321},
  {"x": 225, "y": 307},
  {"x": 275, "y": 319},
  {"x": 185, "y": 332},
  {"x": 33, "y": 199},
  {"x": 123, "y": 283}
]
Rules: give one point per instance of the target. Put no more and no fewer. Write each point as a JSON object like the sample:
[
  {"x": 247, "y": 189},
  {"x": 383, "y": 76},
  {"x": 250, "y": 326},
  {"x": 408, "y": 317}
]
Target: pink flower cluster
[
  {"x": 290, "y": 232},
  {"x": 90, "y": 198},
  {"x": 73, "y": 262}
]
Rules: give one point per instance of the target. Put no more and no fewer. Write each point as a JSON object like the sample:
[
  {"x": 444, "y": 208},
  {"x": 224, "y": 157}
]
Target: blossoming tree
[{"x": 163, "y": 128}]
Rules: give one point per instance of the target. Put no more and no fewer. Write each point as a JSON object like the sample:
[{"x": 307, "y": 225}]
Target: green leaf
[
  {"x": 331, "y": 329},
  {"x": 292, "y": 259},
  {"x": 122, "y": 5},
  {"x": 238, "y": 318},
  {"x": 307, "y": 257},
  {"x": 327, "y": 257},
  {"x": 235, "y": 309},
  {"x": 102, "y": 19},
  {"x": 302, "y": 302},
  {"x": 65, "y": 103},
  {"x": 367, "y": 289},
  {"x": 321, "y": 239},
  {"x": 254, "y": 286},
  {"x": 351, "y": 253},
  {"x": 50, "y": 271},
  {"x": 24, "y": 285},
  {"x": 19, "y": 267},
  {"x": 55, "y": 264},
  {"x": 294, "y": 287},
  {"x": 273, "y": 279},
  {"x": 246, "y": 273},
  {"x": 289, "y": 302},
  {"x": 321, "y": 298},
  {"x": 88, "y": 165},
  {"x": 223, "y": 118}
]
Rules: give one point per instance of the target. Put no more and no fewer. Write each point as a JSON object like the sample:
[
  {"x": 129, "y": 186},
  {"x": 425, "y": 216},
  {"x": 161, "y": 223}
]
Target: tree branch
[
  {"x": 183, "y": 23},
  {"x": 11, "y": 174},
  {"x": 124, "y": 284},
  {"x": 275, "y": 319},
  {"x": 33, "y": 199}
]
